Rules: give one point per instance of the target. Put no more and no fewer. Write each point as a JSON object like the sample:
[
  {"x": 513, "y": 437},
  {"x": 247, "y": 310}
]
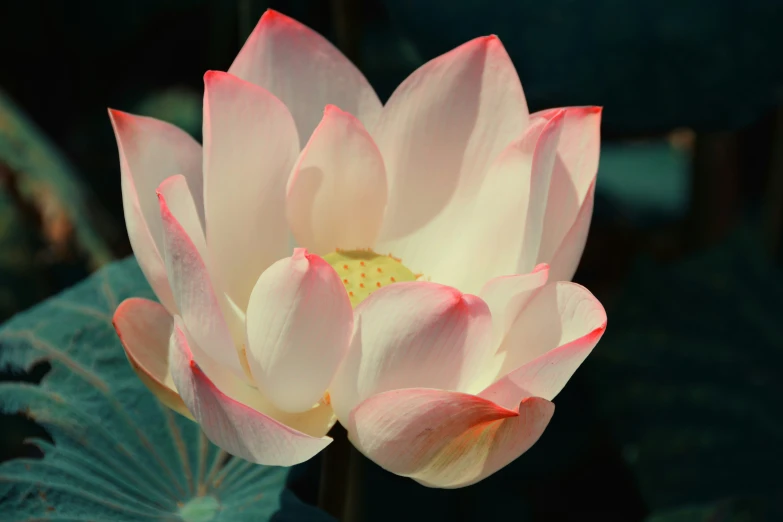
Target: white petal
[
  {"x": 337, "y": 190},
  {"x": 566, "y": 258},
  {"x": 250, "y": 146},
  {"x": 507, "y": 296},
  {"x": 438, "y": 134},
  {"x": 550, "y": 338},
  {"x": 445, "y": 439},
  {"x": 305, "y": 71},
  {"x": 416, "y": 334},
  {"x": 232, "y": 425},
  {"x": 299, "y": 322},
  {"x": 501, "y": 232},
  {"x": 194, "y": 291},
  {"x": 572, "y": 178},
  {"x": 150, "y": 151},
  {"x": 144, "y": 328}
]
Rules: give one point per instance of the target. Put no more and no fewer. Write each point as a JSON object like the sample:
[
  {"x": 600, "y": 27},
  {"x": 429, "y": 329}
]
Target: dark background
[{"x": 677, "y": 414}]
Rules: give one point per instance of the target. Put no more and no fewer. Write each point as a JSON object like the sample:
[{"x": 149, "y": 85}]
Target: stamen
[{"x": 364, "y": 272}]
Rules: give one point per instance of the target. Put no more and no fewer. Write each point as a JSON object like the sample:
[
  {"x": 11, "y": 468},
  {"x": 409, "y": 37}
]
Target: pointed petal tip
[
  {"x": 489, "y": 41},
  {"x": 271, "y": 16},
  {"x": 597, "y": 333},
  {"x": 118, "y": 118},
  {"x": 212, "y": 76},
  {"x": 541, "y": 267},
  {"x": 333, "y": 110}
]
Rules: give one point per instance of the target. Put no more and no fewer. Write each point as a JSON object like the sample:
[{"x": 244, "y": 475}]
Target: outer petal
[
  {"x": 507, "y": 297},
  {"x": 337, "y": 191},
  {"x": 445, "y": 439},
  {"x": 573, "y": 177},
  {"x": 250, "y": 145},
  {"x": 305, "y": 71},
  {"x": 190, "y": 279},
  {"x": 174, "y": 191},
  {"x": 555, "y": 332},
  {"x": 235, "y": 427},
  {"x": 150, "y": 151},
  {"x": 501, "y": 232},
  {"x": 299, "y": 323},
  {"x": 416, "y": 334},
  {"x": 566, "y": 258},
  {"x": 144, "y": 328},
  {"x": 315, "y": 422},
  {"x": 438, "y": 133}
]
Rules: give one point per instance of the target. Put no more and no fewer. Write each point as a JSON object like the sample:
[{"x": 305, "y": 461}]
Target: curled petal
[
  {"x": 190, "y": 278},
  {"x": 144, "y": 328},
  {"x": 305, "y": 71},
  {"x": 507, "y": 297},
  {"x": 573, "y": 179},
  {"x": 545, "y": 375},
  {"x": 548, "y": 341},
  {"x": 232, "y": 425},
  {"x": 567, "y": 256},
  {"x": 150, "y": 151},
  {"x": 445, "y": 439},
  {"x": 416, "y": 334},
  {"x": 337, "y": 190},
  {"x": 299, "y": 322}
]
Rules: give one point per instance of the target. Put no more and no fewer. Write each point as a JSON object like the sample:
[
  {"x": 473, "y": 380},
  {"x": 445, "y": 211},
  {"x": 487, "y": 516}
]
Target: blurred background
[{"x": 677, "y": 415}]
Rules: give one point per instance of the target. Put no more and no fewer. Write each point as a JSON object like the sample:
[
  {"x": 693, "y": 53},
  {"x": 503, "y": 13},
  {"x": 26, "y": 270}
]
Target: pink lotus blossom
[{"x": 401, "y": 268}]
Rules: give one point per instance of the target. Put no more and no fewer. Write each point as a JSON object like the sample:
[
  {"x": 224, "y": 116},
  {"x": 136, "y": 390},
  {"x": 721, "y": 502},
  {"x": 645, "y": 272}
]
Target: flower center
[{"x": 363, "y": 272}]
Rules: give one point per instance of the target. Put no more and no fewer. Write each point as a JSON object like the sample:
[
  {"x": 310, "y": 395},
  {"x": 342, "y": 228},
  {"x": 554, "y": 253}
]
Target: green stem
[{"x": 339, "y": 492}]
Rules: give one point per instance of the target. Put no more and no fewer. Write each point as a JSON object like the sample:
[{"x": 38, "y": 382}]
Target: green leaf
[{"x": 118, "y": 454}]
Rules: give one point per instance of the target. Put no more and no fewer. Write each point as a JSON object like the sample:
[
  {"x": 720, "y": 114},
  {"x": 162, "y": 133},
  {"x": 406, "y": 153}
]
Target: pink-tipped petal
[
  {"x": 445, "y": 439},
  {"x": 552, "y": 336},
  {"x": 545, "y": 375},
  {"x": 232, "y": 425},
  {"x": 501, "y": 231},
  {"x": 507, "y": 297},
  {"x": 315, "y": 422},
  {"x": 566, "y": 258},
  {"x": 438, "y": 134},
  {"x": 299, "y": 323},
  {"x": 337, "y": 190},
  {"x": 144, "y": 329},
  {"x": 305, "y": 71},
  {"x": 416, "y": 334},
  {"x": 250, "y": 146},
  {"x": 179, "y": 201},
  {"x": 573, "y": 177},
  {"x": 190, "y": 279},
  {"x": 150, "y": 151}
]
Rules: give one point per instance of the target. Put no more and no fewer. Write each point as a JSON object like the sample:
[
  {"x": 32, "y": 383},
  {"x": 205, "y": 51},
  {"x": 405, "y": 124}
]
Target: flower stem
[{"x": 339, "y": 491}]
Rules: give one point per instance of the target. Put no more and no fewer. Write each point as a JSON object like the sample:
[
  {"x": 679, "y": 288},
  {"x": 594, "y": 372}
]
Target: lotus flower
[{"x": 405, "y": 271}]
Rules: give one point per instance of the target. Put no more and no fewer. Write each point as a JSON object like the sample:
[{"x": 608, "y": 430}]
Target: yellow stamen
[{"x": 364, "y": 272}]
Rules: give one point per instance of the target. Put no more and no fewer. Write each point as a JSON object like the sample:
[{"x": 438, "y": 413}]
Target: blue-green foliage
[{"x": 118, "y": 454}]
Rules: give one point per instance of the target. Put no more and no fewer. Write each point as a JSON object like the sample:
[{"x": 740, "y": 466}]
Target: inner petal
[{"x": 364, "y": 271}]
